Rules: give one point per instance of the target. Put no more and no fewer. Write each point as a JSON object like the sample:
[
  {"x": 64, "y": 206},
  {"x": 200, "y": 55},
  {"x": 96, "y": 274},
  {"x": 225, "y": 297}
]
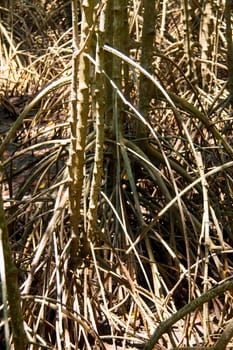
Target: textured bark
[
  {"x": 108, "y": 59},
  {"x": 93, "y": 229},
  {"x": 78, "y": 126},
  {"x": 206, "y": 42}
]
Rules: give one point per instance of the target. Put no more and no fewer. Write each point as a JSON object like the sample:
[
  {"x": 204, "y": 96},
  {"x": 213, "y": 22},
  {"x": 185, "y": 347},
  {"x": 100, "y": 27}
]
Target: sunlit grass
[{"x": 165, "y": 205}]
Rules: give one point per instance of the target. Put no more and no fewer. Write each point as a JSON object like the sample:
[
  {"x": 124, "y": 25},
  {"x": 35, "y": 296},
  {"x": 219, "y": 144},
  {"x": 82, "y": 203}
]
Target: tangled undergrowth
[{"x": 164, "y": 231}]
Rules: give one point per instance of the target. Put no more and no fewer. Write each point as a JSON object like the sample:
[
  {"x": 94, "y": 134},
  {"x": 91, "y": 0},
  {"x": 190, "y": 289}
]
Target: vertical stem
[
  {"x": 93, "y": 231},
  {"x": 108, "y": 59},
  {"x": 187, "y": 39},
  {"x": 205, "y": 234},
  {"x": 12, "y": 289},
  {"x": 206, "y": 42},
  {"x": 228, "y": 11},
  {"x": 148, "y": 34},
  {"x": 78, "y": 127}
]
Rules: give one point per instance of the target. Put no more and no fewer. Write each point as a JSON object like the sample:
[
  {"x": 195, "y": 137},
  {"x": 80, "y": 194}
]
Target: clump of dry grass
[{"x": 165, "y": 205}]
